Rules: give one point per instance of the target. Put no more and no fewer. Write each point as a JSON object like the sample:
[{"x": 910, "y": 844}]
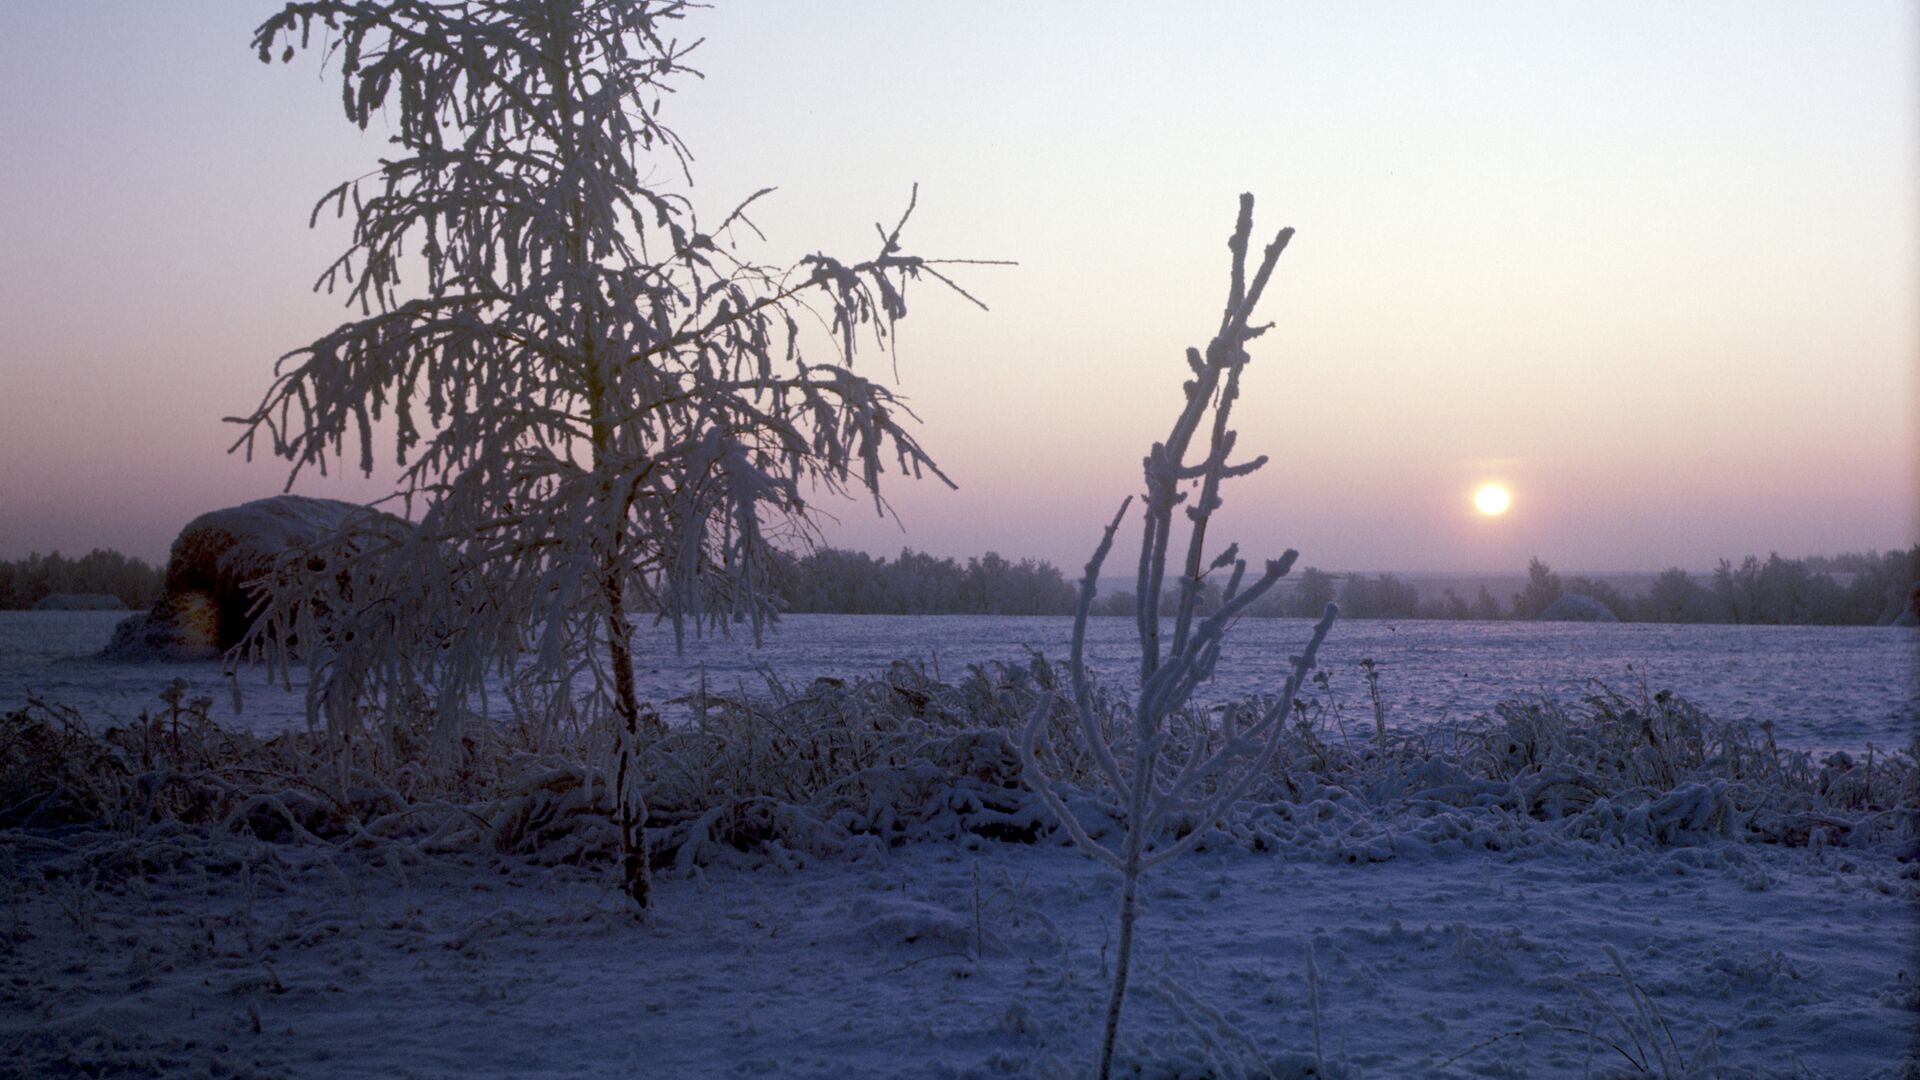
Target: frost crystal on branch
[
  {"x": 598, "y": 404},
  {"x": 1172, "y": 782}
]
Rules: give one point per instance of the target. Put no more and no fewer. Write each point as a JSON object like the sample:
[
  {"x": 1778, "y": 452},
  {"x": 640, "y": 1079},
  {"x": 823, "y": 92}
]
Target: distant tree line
[
  {"x": 25, "y": 582},
  {"x": 1863, "y": 589},
  {"x": 1855, "y": 589},
  {"x": 832, "y": 580},
  {"x": 1858, "y": 589}
]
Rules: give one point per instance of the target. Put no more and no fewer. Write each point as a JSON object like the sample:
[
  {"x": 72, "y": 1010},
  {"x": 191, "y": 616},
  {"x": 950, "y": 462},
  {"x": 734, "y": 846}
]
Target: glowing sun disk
[{"x": 1492, "y": 500}]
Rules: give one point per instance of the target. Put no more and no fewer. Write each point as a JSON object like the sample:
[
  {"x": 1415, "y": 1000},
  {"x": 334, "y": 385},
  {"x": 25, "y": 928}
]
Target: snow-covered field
[
  {"x": 948, "y": 961},
  {"x": 1319, "y": 937},
  {"x": 1822, "y": 687}
]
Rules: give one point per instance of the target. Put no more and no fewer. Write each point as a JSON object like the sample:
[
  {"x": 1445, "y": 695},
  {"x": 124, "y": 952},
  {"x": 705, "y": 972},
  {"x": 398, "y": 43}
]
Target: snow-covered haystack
[
  {"x": 87, "y": 601},
  {"x": 205, "y": 606},
  {"x": 1573, "y": 608}
]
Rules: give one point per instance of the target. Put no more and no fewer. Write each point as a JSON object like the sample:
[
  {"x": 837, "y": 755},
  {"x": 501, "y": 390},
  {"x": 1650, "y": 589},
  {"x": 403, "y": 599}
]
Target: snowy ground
[
  {"x": 1823, "y": 687},
  {"x": 1478, "y": 945},
  {"x": 950, "y": 960}
]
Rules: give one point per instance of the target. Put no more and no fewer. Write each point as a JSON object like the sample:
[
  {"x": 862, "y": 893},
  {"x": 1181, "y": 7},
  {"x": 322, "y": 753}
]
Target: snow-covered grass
[{"x": 854, "y": 882}]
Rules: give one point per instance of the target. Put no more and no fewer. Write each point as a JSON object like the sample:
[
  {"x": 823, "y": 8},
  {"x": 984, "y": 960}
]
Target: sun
[{"x": 1492, "y": 500}]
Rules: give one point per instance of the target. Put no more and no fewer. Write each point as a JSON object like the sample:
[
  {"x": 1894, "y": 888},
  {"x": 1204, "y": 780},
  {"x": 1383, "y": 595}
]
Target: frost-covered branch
[
  {"x": 598, "y": 406},
  {"x": 1160, "y": 778}
]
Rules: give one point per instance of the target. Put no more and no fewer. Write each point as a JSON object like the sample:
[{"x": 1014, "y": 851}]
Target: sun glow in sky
[
  {"x": 1652, "y": 264},
  {"x": 1492, "y": 500}
]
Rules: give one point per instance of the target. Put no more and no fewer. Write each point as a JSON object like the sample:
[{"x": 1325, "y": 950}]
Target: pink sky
[{"x": 1653, "y": 267}]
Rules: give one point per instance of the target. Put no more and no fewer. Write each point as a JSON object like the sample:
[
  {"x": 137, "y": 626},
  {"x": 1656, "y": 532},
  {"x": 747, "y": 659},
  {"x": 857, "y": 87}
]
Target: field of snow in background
[{"x": 1823, "y": 687}]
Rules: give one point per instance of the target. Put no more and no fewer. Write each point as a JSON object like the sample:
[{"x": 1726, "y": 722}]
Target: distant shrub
[{"x": 1382, "y": 597}]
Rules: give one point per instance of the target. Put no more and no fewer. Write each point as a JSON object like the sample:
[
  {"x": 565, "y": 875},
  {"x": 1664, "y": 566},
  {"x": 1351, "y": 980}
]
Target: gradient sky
[{"x": 1652, "y": 265}]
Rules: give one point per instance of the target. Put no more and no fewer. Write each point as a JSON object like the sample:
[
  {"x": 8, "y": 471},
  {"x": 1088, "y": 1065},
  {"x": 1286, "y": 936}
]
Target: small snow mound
[
  {"x": 896, "y": 920},
  {"x": 1578, "y": 609}
]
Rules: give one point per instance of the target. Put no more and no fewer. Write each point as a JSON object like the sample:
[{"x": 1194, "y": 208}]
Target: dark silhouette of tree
[
  {"x": 1543, "y": 588},
  {"x": 1312, "y": 594},
  {"x": 834, "y": 581},
  {"x": 1382, "y": 597},
  {"x": 1452, "y": 606},
  {"x": 1674, "y": 597},
  {"x": 1738, "y": 589},
  {"x": 25, "y": 582},
  {"x": 1485, "y": 606}
]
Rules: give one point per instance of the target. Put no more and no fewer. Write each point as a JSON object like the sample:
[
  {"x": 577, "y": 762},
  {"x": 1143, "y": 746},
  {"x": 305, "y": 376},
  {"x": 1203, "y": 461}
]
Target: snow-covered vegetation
[
  {"x": 834, "y": 760},
  {"x": 182, "y": 896},
  {"x": 599, "y": 402},
  {"x": 1160, "y": 775},
  {"x": 506, "y": 841}
]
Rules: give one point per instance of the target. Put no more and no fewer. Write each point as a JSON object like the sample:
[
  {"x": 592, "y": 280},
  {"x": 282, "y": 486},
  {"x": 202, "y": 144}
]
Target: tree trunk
[
  {"x": 629, "y": 797},
  {"x": 630, "y": 801},
  {"x": 630, "y": 804},
  {"x": 1122, "y": 962}
]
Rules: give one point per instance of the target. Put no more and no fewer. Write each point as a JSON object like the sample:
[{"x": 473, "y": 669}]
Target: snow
[
  {"x": 62, "y": 601},
  {"x": 292, "y": 960},
  {"x": 1822, "y": 687},
  {"x": 262, "y": 529},
  {"x": 1448, "y": 932}
]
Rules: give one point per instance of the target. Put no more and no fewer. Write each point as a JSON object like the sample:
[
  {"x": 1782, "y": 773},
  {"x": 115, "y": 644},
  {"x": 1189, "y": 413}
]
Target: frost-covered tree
[
  {"x": 1737, "y": 589},
  {"x": 1616, "y": 601},
  {"x": 1543, "y": 588},
  {"x": 598, "y": 403},
  {"x": 1674, "y": 597},
  {"x": 1484, "y": 605},
  {"x": 1175, "y": 784},
  {"x": 1312, "y": 595},
  {"x": 1382, "y": 597},
  {"x": 1451, "y": 605}
]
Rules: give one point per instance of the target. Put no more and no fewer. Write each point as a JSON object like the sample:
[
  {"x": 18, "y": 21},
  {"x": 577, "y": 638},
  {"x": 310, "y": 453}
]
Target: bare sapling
[{"x": 1167, "y": 783}]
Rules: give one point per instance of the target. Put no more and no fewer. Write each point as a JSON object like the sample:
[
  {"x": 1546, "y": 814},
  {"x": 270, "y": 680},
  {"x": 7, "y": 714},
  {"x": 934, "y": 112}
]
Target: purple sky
[{"x": 1653, "y": 267}]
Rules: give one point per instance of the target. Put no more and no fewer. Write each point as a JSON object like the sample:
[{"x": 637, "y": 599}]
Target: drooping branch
[{"x": 595, "y": 402}]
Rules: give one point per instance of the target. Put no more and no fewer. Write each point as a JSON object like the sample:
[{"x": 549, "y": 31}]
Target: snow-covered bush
[
  {"x": 1169, "y": 775},
  {"x": 598, "y": 403}
]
